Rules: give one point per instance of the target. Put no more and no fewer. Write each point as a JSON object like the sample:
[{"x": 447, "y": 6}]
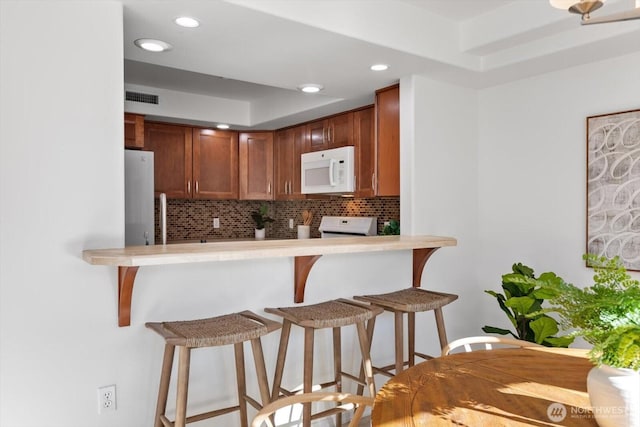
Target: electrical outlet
[
  {"x": 387, "y": 223},
  {"x": 216, "y": 222},
  {"x": 106, "y": 398},
  {"x": 290, "y": 222}
]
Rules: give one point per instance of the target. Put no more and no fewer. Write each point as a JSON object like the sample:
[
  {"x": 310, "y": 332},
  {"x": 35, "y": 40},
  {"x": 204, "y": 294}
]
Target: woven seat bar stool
[
  {"x": 330, "y": 314},
  {"x": 408, "y": 301},
  {"x": 233, "y": 329}
]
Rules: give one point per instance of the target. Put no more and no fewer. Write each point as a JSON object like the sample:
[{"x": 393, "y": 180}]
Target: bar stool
[
  {"x": 408, "y": 301},
  {"x": 330, "y": 314},
  {"x": 233, "y": 329}
]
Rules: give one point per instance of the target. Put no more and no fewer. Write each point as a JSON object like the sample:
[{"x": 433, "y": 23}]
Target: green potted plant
[
  {"x": 607, "y": 315},
  {"x": 522, "y": 302},
  {"x": 261, "y": 219},
  {"x": 391, "y": 229}
]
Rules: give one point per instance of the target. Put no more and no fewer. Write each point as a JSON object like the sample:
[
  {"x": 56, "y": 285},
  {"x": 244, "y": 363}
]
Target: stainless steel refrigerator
[{"x": 138, "y": 198}]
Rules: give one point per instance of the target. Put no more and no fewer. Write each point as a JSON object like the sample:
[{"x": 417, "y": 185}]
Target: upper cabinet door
[
  {"x": 133, "y": 130},
  {"x": 171, "y": 145},
  {"x": 332, "y": 132},
  {"x": 289, "y": 146},
  {"x": 318, "y": 139},
  {"x": 340, "y": 130},
  {"x": 215, "y": 164},
  {"x": 388, "y": 141},
  {"x": 363, "y": 123},
  {"x": 256, "y": 166}
]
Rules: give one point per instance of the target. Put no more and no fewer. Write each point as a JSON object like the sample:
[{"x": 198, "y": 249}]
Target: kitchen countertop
[
  {"x": 181, "y": 253},
  {"x": 304, "y": 251}
]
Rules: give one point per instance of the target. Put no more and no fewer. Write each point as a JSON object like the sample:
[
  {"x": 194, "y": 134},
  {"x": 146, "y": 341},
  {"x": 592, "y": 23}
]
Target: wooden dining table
[{"x": 533, "y": 386}]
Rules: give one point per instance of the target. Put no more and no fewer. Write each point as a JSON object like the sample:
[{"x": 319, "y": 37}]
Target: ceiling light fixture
[
  {"x": 379, "y": 67},
  {"x": 152, "y": 45},
  {"x": 222, "y": 126},
  {"x": 187, "y": 22},
  {"x": 581, "y": 7},
  {"x": 585, "y": 7},
  {"x": 310, "y": 88}
]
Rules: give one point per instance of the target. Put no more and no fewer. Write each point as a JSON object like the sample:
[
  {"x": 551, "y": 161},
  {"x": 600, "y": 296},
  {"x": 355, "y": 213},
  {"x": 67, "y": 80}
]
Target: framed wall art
[{"x": 613, "y": 186}]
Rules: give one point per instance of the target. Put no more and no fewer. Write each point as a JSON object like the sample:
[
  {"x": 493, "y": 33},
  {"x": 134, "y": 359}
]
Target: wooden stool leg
[
  {"x": 282, "y": 355},
  {"x": 308, "y": 374},
  {"x": 337, "y": 366},
  {"x": 261, "y": 371},
  {"x": 411, "y": 333},
  {"x": 366, "y": 358},
  {"x": 184, "y": 357},
  {"x": 399, "y": 333},
  {"x": 165, "y": 379},
  {"x": 241, "y": 382},
  {"x": 370, "y": 327},
  {"x": 442, "y": 333}
]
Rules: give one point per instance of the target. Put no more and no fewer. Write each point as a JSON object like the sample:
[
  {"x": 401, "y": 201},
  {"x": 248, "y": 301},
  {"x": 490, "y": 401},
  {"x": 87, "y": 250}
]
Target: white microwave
[{"x": 328, "y": 171}]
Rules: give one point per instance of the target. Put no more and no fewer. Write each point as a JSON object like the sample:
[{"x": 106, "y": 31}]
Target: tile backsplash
[{"x": 193, "y": 219}]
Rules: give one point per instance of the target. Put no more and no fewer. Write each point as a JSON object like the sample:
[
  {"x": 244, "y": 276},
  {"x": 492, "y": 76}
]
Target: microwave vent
[{"x": 145, "y": 98}]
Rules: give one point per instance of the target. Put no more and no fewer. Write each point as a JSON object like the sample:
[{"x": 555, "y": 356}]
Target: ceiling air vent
[{"x": 141, "y": 97}]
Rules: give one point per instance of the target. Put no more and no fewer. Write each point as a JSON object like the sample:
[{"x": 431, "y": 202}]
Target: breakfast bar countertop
[
  {"x": 304, "y": 251},
  {"x": 137, "y": 256}
]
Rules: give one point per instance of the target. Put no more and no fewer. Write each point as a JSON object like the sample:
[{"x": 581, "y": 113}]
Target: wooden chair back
[
  {"x": 488, "y": 341},
  {"x": 359, "y": 403}
]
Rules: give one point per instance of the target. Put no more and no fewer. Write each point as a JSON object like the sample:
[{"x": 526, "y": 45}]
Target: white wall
[
  {"x": 190, "y": 107},
  {"x": 532, "y": 168},
  {"x": 438, "y": 130},
  {"x": 61, "y": 180}
]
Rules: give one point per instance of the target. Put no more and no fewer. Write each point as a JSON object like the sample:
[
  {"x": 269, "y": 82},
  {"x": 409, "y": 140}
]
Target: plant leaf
[
  {"x": 559, "y": 341},
  {"x": 543, "y": 327},
  {"x": 520, "y": 304},
  {"x": 522, "y": 269},
  {"x": 500, "y": 331}
]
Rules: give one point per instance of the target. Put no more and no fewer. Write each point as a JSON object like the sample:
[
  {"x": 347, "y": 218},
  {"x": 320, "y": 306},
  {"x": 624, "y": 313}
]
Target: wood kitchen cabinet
[
  {"x": 192, "y": 162},
  {"x": 255, "y": 166},
  {"x": 365, "y": 151},
  {"x": 332, "y": 132},
  {"x": 215, "y": 164},
  {"x": 172, "y": 149},
  {"x": 289, "y": 146},
  {"x": 133, "y": 131},
  {"x": 387, "y": 173}
]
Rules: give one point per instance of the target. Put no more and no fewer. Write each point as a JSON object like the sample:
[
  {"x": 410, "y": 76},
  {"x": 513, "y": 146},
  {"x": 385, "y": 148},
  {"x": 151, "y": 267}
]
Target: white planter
[
  {"x": 615, "y": 396},
  {"x": 260, "y": 233},
  {"x": 304, "y": 231}
]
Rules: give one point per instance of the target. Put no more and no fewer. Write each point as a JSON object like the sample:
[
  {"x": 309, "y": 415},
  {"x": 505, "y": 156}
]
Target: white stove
[{"x": 348, "y": 226}]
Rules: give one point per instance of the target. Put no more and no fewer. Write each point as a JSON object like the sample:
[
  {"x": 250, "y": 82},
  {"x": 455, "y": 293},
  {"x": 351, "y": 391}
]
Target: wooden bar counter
[{"x": 304, "y": 251}]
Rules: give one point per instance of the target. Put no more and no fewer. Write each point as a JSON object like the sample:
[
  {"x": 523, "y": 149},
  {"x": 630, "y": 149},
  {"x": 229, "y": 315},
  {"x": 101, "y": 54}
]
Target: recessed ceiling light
[
  {"x": 311, "y": 88},
  {"x": 152, "y": 45},
  {"x": 222, "y": 126},
  {"x": 185, "y": 21},
  {"x": 379, "y": 67}
]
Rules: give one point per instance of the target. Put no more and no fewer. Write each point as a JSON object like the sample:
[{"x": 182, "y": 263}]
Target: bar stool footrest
[{"x": 211, "y": 414}]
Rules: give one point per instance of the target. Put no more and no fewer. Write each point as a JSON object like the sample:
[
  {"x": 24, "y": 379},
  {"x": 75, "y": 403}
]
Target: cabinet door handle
[
  {"x": 324, "y": 135},
  {"x": 197, "y": 190},
  {"x": 269, "y": 188},
  {"x": 289, "y": 187},
  {"x": 329, "y": 134},
  {"x": 189, "y": 187},
  {"x": 373, "y": 181}
]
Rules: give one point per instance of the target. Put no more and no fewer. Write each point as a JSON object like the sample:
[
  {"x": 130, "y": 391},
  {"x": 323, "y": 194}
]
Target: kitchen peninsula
[{"x": 305, "y": 252}]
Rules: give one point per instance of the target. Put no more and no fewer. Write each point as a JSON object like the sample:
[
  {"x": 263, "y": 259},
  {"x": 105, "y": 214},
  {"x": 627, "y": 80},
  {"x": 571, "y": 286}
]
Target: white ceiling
[{"x": 259, "y": 51}]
